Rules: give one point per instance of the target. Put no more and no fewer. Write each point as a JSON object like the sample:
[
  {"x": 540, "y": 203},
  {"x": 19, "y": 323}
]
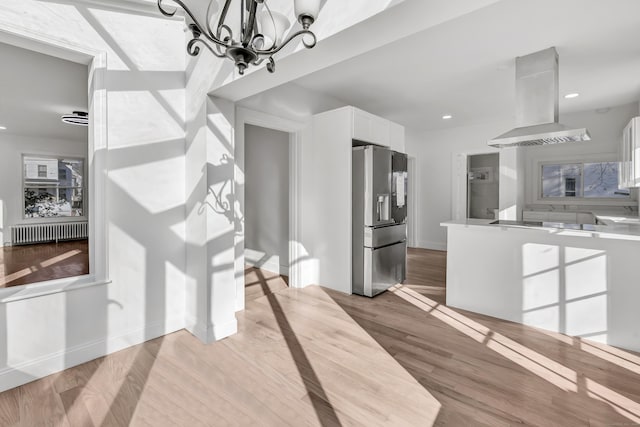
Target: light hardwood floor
[{"x": 317, "y": 357}]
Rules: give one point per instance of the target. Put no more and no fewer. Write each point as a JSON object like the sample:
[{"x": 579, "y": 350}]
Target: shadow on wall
[
  {"x": 147, "y": 245},
  {"x": 146, "y": 230}
]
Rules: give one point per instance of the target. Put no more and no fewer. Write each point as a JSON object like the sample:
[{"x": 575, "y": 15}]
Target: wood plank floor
[
  {"x": 20, "y": 265},
  {"x": 258, "y": 283},
  {"x": 318, "y": 357}
]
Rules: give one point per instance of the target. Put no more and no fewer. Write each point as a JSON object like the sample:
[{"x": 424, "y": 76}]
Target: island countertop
[
  {"x": 616, "y": 228},
  {"x": 577, "y": 282}
]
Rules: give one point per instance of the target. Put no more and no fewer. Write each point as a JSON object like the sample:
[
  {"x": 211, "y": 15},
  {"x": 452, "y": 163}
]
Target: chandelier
[{"x": 259, "y": 37}]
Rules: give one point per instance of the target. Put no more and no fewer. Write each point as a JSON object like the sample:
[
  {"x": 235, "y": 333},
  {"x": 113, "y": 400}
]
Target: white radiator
[{"x": 53, "y": 232}]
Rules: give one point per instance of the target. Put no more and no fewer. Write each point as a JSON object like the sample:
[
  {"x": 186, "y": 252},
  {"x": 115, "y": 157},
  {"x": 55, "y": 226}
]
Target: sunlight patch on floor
[
  {"x": 56, "y": 259},
  {"x": 536, "y": 363}
]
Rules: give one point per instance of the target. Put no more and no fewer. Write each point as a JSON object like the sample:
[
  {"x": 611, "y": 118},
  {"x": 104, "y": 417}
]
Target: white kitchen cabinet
[
  {"x": 565, "y": 217},
  {"x": 376, "y": 130},
  {"x": 629, "y": 172},
  {"x": 585, "y": 218},
  {"x": 535, "y": 216},
  {"x": 326, "y": 189}
]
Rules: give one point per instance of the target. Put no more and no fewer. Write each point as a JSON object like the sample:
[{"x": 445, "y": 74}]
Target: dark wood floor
[
  {"x": 20, "y": 265},
  {"x": 318, "y": 357}
]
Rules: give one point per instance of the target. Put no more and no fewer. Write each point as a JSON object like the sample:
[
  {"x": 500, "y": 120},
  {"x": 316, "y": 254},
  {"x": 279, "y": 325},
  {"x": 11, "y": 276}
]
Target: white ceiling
[
  {"x": 465, "y": 67},
  {"x": 36, "y": 90}
]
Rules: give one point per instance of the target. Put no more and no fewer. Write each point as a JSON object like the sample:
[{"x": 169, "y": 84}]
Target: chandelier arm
[
  {"x": 271, "y": 65},
  {"x": 289, "y": 39},
  {"x": 208, "y": 22},
  {"x": 194, "y": 50},
  {"x": 211, "y": 37},
  {"x": 273, "y": 22},
  {"x": 251, "y": 22},
  {"x": 229, "y": 35},
  {"x": 223, "y": 16}
]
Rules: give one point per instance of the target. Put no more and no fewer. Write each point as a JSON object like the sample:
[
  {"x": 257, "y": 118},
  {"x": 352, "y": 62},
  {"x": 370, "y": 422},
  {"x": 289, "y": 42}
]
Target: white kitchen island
[{"x": 577, "y": 282}]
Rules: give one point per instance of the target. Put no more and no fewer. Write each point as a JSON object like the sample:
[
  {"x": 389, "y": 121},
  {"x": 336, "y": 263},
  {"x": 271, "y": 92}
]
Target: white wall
[
  {"x": 12, "y": 147},
  {"x": 266, "y": 215},
  {"x": 145, "y": 195},
  {"x": 605, "y": 128},
  {"x": 435, "y": 152}
]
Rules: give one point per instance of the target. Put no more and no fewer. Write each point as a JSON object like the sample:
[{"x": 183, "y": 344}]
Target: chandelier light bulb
[
  {"x": 261, "y": 32},
  {"x": 272, "y": 26},
  {"x": 307, "y": 9}
]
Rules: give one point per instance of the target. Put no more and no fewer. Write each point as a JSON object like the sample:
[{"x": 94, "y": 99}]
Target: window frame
[
  {"x": 632, "y": 200},
  {"x": 44, "y": 184}
]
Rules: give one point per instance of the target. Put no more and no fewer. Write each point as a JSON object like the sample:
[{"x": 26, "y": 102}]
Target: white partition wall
[{"x": 136, "y": 191}]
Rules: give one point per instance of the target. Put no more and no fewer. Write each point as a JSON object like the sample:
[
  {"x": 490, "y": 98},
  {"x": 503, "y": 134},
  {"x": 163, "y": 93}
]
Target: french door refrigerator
[{"x": 379, "y": 215}]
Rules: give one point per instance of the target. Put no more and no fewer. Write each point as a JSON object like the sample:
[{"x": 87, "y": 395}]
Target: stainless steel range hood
[{"x": 537, "y": 105}]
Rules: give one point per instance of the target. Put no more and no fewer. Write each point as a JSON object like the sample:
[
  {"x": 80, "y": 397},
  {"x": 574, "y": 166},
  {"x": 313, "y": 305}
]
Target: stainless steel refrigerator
[{"x": 379, "y": 215}]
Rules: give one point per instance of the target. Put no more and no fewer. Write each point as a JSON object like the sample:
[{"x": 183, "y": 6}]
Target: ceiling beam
[{"x": 397, "y": 22}]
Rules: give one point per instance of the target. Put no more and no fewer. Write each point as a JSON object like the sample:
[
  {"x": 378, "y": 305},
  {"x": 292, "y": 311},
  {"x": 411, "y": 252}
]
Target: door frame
[
  {"x": 295, "y": 130},
  {"x": 460, "y": 181}
]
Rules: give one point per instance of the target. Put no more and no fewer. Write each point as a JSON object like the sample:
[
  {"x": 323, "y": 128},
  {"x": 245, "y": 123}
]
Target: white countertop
[{"x": 622, "y": 228}]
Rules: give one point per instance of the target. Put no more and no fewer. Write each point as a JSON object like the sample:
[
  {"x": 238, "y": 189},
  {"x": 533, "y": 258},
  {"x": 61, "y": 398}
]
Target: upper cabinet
[
  {"x": 376, "y": 130},
  {"x": 630, "y": 157}
]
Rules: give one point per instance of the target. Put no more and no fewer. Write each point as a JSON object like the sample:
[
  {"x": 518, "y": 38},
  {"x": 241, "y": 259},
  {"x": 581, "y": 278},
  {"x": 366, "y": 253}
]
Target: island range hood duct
[{"x": 537, "y": 105}]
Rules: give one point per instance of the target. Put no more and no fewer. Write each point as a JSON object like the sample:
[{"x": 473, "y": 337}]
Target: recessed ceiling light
[
  {"x": 447, "y": 117},
  {"x": 572, "y": 95},
  {"x": 3, "y": 128}
]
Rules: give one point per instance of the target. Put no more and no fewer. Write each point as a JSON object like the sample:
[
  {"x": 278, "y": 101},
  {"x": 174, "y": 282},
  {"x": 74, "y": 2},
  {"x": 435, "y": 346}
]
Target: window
[
  {"x": 53, "y": 187},
  {"x": 582, "y": 180}
]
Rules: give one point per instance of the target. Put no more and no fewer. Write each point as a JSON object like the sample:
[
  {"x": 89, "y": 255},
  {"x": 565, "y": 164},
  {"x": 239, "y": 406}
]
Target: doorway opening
[
  {"x": 483, "y": 186},
  {"x": 266, "y": 211}
]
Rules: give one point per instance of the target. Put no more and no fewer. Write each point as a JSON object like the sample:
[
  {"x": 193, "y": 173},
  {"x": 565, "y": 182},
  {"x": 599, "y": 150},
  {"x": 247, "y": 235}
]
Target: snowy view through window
[{"x": 590, "y": 180}]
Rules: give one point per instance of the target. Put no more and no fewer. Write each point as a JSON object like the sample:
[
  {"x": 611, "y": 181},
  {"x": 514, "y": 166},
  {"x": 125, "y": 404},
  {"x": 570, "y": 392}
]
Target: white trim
[
  {"x": 31, "y": 370},
  {"x": 245, "y": 116},
  {"x": 459, "y": 181},
  {"x": 50, "y": 287},
  {"x": 414, "y": 182},
  {"x": 212, "y": 332},
  {"x": 271, "y": 266},
  {"x": 96, "y": 158}
]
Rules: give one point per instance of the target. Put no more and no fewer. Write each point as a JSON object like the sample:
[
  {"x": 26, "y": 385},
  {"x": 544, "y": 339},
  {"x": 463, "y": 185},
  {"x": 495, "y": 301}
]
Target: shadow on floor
[{"x": 324, "y": 410}]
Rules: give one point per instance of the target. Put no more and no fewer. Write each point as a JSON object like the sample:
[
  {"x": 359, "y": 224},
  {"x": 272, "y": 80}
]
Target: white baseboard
[
  {"x": 213, "y": 332},
  {"x": 272, "y": 264},
  {"x": 436, "y": 246},
  {"x": 31, "y": 370}
]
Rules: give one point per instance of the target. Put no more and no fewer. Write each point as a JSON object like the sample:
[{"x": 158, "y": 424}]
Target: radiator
[{"x": 53, "y": 232}]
